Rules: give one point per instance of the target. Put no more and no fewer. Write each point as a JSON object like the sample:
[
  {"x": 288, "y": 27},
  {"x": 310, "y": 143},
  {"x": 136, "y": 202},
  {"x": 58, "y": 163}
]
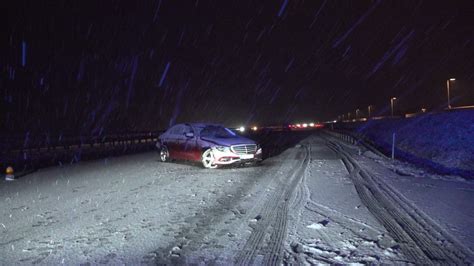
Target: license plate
[{"x": 246, "y": 156}]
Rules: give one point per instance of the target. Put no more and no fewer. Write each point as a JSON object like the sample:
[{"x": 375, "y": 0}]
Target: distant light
[
  {"x": 254, "y": 128},
  {"x": 311, "y": 124},
  {"x": 452, "y": 79},
  {"x": 423, "y": 110},
  {"x": 241, "y": 129},
  {"x": 298, "y": 125},
  {"x": 394, "y": 98},
  {"x": 319, "y": 125},
  {"x": 335, "y": 121},
  {"x": 305, "y": 125}
]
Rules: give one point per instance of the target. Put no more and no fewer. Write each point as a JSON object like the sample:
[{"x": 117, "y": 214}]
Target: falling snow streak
[
  {"x": 11, "y": 73},
  {"x": 105, "y": 116},
  {"x": 390, "y": 52},
  {"x": 274, "y": 96},
  {"x": 177, "y": 106},
  {"x": 66, "y": 106},
  {"x": 360, "y": 20},
  {"x": 209, "y": 29},
  {"x": 261, "y": 34},
  {"x": 400, "y": 54},
  {"x": 289, "y": 64},
  {"x": 23, "y": 53},
  {"x": 290, "y": 111},
  {"x": 299, "y": 93},
  {"x": 26, "y": 140},
  {"x": 163, "y": 76},
  {"x": 80, "y": 72},
  {"x": 89, "y": 30},
  {"x": 250, "y": 117},
  {"x": 255, "y": 64},
  {"x": 132, "y": 79},
  {"x": 347, "y": 51},
  {"x": 155, "y": 16},
  {"x": 282, "y": 8},
  {"x": 400, "y": 80},
  {"x": 317, "y": 14},
  {"x": 181, "y": 37}
]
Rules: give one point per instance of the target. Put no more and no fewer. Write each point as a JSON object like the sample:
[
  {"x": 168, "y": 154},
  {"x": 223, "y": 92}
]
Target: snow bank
[{"x": 442, "y": 141}]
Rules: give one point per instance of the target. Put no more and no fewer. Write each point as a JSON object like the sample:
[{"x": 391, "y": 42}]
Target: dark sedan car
[{"x": 210, "y": 144}]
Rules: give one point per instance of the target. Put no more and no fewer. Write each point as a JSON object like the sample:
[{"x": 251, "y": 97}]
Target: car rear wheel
[
  {"x": 208, "y": 159},
  {"x": 164, "y": 154}
]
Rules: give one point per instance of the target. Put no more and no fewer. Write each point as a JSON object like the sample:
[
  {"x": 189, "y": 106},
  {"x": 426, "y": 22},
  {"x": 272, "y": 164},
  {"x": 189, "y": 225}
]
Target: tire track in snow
[
  {"x": 198, "y": 228},
  {"x": 274, "y": 257},
  {"x": 274, "y": 219},
  {"x": 338, "y": 238},
  {"x": 420, "y": 239}
]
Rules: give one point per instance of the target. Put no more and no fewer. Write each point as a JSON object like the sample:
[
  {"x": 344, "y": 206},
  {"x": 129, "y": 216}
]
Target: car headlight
[{"x": 222, "y": 148}]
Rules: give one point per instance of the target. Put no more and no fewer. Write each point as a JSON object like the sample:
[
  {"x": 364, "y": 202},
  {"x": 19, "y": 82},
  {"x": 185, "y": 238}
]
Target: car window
[
  {"x": 170, "y": 131},
  {"x": 187, "y": 129},
  {"x": 176, "y": 130},
  {"x": 217, "y": 132}
]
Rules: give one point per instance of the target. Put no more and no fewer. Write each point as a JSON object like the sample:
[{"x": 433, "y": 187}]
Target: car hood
[{"x": 229, "y": 141}]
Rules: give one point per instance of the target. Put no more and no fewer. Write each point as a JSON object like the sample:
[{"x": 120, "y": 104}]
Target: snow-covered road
[{"x": 318, "y": 201}]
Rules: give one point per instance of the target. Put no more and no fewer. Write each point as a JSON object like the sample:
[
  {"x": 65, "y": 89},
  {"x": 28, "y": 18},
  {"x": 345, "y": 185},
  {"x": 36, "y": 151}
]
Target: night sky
[{"x": 97, "y": 67}]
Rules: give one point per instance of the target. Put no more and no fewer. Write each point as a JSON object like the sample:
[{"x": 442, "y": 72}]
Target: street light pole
[
  {"x": 392, "y": 100},
  {"x": 448, "y": 83},
  {"x": 370, "y": 109},
  {"x": 357, "y": 114}
]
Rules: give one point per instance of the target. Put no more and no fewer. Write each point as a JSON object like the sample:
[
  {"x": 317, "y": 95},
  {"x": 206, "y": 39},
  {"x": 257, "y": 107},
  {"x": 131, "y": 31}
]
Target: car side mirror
[{"x": 189, "y": 134}]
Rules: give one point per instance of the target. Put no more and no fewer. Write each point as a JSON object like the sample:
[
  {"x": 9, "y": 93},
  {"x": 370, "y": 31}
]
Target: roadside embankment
[{"x": 443, "y": 141}]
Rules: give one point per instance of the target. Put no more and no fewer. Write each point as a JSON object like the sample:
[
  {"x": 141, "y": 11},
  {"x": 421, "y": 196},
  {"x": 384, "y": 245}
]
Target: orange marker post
[{"x": 9, "y": 174}]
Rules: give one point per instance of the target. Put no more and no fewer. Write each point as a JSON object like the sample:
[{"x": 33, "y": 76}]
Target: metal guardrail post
[{"x": 393, "y": 146}]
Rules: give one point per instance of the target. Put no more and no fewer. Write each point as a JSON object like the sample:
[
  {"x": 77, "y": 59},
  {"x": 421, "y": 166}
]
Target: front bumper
[{"x": 228, "y": 157}]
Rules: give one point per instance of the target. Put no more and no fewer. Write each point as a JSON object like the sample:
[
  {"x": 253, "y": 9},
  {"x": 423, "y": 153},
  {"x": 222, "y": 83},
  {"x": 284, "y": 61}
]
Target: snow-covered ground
[
  {"x": 305, "y": 205},
  {"x": 449, "y": 200}
]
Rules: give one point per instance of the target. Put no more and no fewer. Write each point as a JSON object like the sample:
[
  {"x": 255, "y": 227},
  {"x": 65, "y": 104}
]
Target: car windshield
[{"x": 217, "y": 132}]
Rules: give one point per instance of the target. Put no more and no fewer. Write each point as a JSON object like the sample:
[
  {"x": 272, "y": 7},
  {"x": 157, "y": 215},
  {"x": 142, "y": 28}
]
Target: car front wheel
[
  {"x": 164, "y": 154},
  {"x": 208, "y": 159}
]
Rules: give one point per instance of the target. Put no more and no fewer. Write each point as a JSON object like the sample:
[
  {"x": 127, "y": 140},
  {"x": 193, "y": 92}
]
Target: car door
[
  {"x": 189, "y": 145},
  {"x": 172, "y": 142}
]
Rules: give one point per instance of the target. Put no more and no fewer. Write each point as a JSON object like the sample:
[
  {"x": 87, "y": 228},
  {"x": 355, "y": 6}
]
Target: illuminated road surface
[{"x": 305, "y": 205}]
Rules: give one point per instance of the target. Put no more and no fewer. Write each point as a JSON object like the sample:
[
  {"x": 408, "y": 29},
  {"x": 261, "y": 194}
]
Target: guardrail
[
  {"x": 36, "y": 152},
  {"x": 344, "y": 136},
  {"x": 355, "y": 138}
]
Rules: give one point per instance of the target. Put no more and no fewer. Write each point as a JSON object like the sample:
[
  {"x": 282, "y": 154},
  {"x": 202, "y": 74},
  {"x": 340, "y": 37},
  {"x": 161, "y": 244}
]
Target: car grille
[{"x": 244, "y": 149}]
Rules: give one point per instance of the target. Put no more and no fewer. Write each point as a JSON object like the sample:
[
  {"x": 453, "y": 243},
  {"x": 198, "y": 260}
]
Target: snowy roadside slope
[
  {"x": 442, "y": 141},
  {"x": 448, "y": 200},
  {"x": 437, "y": 209}
]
